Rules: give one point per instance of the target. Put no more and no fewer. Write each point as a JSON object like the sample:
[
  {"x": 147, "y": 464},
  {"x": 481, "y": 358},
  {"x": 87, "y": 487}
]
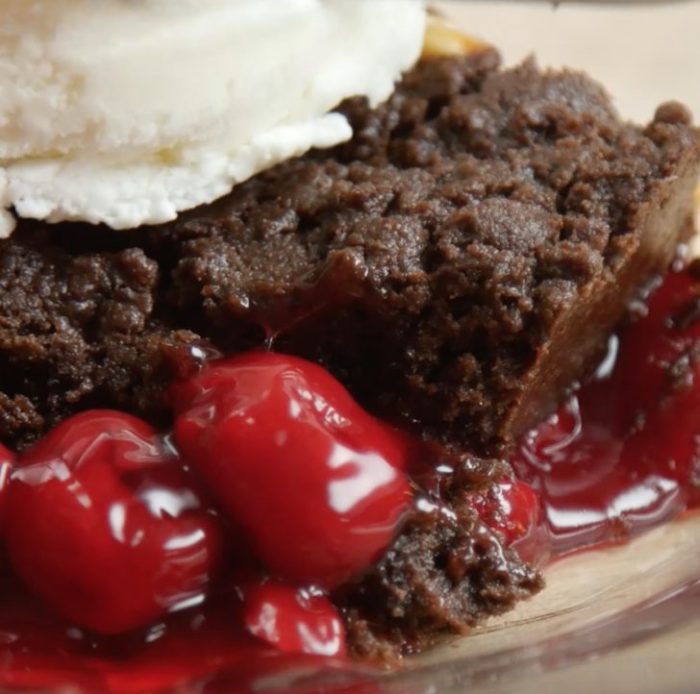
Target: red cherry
[
  {"x": 293, "y": 621},
  {"x": 510, "y": 507},
  {"x": 315, "y": 482},
  {"x": 106, "y": 527}
]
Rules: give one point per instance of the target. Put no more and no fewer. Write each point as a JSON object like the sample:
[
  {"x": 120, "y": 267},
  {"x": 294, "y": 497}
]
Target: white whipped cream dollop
[{"x": 126, "y": 112}]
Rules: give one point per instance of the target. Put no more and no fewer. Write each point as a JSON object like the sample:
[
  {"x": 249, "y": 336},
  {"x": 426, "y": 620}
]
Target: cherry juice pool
[{"x": 621, "y": 455}]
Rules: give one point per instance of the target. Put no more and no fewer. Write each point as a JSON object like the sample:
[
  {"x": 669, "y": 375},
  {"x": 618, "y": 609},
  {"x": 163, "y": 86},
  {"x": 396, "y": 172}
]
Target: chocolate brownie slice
[
  {"x": 446, "y": 570},
  {"x": 462, "y": 260}
]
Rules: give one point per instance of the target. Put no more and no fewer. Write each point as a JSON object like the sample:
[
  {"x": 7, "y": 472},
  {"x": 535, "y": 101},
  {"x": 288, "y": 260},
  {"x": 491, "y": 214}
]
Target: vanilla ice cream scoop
[{"x": 126, "y": 112}]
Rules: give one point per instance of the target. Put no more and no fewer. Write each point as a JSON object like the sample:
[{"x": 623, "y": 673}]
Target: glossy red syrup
[
  {"x": 623, "y": 454},
  {"x": 7, "y": 461},
  {"x": 205, "y": 649},
  {"x": 510, "y": 507},
  {"x": 620, "y": 456}
]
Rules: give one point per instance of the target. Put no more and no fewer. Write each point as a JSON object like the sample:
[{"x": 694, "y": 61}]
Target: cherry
[
  {"x": 316, "y": 483},
  {"x": 293, "y": 621},
  {"x": 106, "y": 526},
  {"x": 510, "y": 507}
]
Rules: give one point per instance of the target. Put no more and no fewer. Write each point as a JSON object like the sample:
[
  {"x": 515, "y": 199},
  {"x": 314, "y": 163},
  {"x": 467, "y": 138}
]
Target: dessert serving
[{"x": 351, "y": 406}]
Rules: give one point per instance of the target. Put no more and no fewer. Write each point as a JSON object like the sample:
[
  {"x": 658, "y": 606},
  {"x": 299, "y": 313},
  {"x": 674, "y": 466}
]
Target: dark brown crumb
[
  {"x": 445, "y": 571},
  {"x": 442, "y": 575}
]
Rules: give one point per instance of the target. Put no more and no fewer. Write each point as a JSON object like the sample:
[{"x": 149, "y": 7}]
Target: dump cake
[{"x": 306, "y": 405}]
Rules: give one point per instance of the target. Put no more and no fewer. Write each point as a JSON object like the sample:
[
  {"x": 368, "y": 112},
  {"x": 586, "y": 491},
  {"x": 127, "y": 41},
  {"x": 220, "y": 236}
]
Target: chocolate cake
[{"x": 458, "y": 265}]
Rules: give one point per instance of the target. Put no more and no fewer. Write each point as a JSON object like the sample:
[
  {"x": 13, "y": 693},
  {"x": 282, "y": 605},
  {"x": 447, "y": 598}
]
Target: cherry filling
[
  {"x": 623, "y": 453},
  {"x": 7, "y": 460},
  {"x": 211, "y": 549},
  {"x": 273, "y": 487},
  {"x": 293, "y": 621}
]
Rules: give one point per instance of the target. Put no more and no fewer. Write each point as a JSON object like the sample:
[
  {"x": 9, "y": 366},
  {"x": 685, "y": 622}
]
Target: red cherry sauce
[
  {"x": 293, "y": 621},
  {"x": 204, "y": 649},
  {"x": 620, "y": 456},
  {"x": 7, "y": 461},
  {"x": 623, "y": 454}
]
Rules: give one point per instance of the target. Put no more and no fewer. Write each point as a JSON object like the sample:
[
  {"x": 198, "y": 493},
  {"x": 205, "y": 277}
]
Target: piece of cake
[{"x": 459, "y": 264}]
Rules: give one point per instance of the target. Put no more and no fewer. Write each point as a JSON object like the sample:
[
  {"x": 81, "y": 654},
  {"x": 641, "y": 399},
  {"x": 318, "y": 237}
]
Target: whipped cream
[{"x": 125, "y": 113}]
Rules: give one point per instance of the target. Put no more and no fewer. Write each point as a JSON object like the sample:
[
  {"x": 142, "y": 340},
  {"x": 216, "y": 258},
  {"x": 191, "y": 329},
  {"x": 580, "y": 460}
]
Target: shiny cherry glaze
[
  {"x": 293, "y": 620},
  {"x": 621, "y": 455},
  {"x": 106, "y": 525},
  {"x": 317, "y": 484},
  {"x": 624, "y": 452}
]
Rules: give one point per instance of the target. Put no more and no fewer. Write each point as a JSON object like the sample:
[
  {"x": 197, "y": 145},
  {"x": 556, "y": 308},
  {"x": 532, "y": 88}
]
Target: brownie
[
  {"x": 458, "y": 264},
  {"x": 461, "y": 262}
]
